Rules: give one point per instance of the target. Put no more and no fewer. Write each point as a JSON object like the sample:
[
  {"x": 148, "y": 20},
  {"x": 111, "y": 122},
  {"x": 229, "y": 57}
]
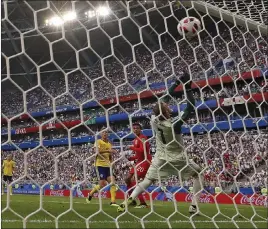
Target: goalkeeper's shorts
[{"x": 162, "y": 169}]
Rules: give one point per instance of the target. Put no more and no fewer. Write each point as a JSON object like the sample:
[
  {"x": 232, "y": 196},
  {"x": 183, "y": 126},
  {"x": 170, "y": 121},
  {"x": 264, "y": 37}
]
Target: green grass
[{"x": 73, "y": 214}]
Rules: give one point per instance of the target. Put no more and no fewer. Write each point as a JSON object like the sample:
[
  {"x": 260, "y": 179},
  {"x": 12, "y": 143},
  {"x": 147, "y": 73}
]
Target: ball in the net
[{"x": 189, "y": 26}]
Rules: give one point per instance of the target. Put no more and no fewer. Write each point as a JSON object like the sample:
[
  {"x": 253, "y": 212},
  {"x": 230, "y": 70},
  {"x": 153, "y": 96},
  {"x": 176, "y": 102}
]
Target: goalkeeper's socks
[{"x": 141, "y": 187}]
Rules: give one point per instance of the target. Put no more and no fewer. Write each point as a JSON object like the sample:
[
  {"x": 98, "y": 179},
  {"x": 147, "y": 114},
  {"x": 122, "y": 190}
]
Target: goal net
[{"x": 74, "y": 72}]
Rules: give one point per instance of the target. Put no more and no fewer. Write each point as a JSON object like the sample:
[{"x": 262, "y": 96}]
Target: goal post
[
  {"x": 74, "y": 72},
  {"x": 235, "y": 18}
]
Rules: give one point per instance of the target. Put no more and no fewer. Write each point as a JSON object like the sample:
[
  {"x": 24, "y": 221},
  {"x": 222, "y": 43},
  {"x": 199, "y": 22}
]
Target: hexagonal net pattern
[
  {"x": 252, "y": 9},
  {"x": 106, "y": 100}
]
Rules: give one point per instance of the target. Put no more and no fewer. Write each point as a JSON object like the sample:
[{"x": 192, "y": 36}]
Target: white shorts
[{"x": 162, "y": 169}]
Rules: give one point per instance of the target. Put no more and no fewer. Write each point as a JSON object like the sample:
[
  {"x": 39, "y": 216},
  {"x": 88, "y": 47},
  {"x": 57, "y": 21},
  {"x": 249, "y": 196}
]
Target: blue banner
[
  {"x": 205, "y": 105},
  {"x": 200, "y": 128},
  {"x": 24, "y": 191},
  {"x": 125, "y": 116},
  {"x": 28, "y": 189},
  {"x": 153, "y": 86},
  {"x": 264, "y": 72}
]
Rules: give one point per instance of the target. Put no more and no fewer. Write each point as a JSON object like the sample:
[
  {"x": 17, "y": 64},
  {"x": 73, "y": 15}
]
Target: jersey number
[
  {"x": 140, "y": 169},
  {"x": 162, "y": 135}
]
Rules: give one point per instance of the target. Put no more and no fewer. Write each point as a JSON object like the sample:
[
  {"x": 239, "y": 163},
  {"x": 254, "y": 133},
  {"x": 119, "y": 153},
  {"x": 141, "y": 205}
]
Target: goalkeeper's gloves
[{"x": 186, "y": 80}]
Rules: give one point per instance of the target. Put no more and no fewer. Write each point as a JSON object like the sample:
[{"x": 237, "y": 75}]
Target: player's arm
[
  {"x": 98, "y": 149},
  {"x": 112, "y": 151},
  {"x": 139, "y": 151},
  {"x": 190, "y": 103},
  {"x": 136, "y": 150},
  {"x": 133, "y": 158},
  {"x": 171, "y": 91},
  {"x": 110, "y": 155},
  {"x": 3, "y": 166},
  {"x": 13, "y": 167}
]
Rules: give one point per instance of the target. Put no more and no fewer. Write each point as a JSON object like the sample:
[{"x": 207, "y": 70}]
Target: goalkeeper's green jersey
[{"x": 169, "y": 143}]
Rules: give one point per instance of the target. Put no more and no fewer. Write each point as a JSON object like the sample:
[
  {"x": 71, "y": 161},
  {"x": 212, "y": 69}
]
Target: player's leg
[
  {"x": 141, "y": 173},
  {"x": 151, "y": 176},
  {"x": 191, "y": 170},
  {"x": 95, "y": 189},
  {"x": 79, "y": 192},
  {"x": 169, "y": 196},
  {"x": 4, "y": 183},
  {"x": 197, "y": 186},
  {"x": 137, "y": 191},
  {"x": 74, "y": 190},
  {"x": 9, "y": 181},
  {"x": 101, "y": 174},
  {"x": 111, "y": 180},
  {"x": 196, "y": 194},
  {"x": 130, "y": 183},
  {"x": 142, "y": 202}
]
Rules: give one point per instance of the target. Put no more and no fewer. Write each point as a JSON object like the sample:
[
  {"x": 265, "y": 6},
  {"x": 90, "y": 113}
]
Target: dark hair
[{"x": 137, "y": 124}]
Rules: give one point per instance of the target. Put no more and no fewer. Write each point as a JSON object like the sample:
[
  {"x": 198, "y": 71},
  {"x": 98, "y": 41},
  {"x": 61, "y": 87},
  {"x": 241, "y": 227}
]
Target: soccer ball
[{"x": 189, "y": 26}]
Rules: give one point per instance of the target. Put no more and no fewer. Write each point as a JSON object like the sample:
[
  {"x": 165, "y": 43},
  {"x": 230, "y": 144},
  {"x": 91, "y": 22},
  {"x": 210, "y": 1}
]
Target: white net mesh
[
  {"x": 72, "y": 68},
  {"x": 254, "y": 10}
]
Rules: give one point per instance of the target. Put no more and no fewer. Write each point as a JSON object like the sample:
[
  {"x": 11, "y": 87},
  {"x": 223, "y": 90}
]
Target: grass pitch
[{"x": 61, "y": 212}]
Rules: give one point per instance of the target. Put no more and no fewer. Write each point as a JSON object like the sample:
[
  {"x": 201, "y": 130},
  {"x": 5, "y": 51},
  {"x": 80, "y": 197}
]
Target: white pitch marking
[
  {"x": 49, "y": 201},
  {"x": 124, "y": 222},
  {"x": 78, "y": 202}
]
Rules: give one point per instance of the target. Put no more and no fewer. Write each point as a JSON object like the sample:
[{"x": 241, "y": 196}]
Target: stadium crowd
[
  {"x": 219, "y": 153},
  {"x": 133, "y": 106},
  {"x": 80, "y": 88}
]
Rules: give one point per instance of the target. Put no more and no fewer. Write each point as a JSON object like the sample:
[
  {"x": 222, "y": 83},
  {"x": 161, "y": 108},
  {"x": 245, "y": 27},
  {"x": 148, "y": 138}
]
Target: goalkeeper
[{"x": 170, "y": 155}]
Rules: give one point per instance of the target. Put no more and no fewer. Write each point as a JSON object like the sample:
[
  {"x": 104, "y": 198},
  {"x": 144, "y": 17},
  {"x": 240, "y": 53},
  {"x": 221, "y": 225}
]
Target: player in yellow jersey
[
  {"x": 8, "y": 170},
  {"x": 103, "y": 161}
]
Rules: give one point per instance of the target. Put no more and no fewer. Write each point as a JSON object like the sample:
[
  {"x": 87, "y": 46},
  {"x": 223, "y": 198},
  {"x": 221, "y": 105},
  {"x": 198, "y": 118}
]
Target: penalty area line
[{"x": 126, "y": 221}]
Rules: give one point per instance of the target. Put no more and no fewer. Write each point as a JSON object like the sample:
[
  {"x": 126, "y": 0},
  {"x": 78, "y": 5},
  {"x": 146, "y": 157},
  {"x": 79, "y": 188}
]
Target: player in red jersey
[{"x": 142, "y": 159}]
